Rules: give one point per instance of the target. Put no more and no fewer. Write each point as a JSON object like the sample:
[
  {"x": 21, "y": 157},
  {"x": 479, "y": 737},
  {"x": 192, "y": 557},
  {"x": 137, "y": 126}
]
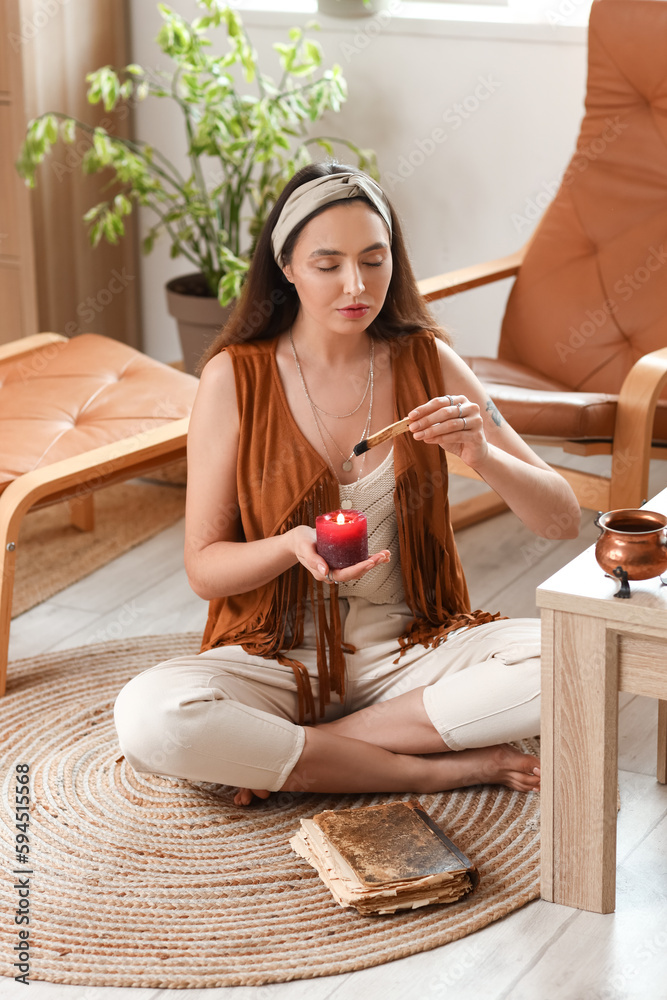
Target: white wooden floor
[{"x": 542, "y": 952}]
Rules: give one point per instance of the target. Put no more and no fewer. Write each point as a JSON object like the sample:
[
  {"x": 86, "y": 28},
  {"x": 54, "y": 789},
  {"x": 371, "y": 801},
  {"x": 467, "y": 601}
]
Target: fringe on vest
[
  {"x": 434, "y": 584},
  {"x": 278, "y": 625}
]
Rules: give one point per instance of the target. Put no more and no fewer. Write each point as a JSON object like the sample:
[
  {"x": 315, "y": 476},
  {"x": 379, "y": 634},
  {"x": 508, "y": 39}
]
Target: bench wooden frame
[{"x": 73, "y": 479}]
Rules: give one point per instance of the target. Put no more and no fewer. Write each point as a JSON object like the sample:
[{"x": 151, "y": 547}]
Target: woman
[{"x": 377, "y": 677}]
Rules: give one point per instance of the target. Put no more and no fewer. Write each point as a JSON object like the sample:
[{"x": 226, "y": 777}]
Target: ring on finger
[
  {"x": 459, "y": 406},
  {"x": 451, "y": 401},
  {"x": 464, "y": 423},
  {"x": 330, "y": 577}
]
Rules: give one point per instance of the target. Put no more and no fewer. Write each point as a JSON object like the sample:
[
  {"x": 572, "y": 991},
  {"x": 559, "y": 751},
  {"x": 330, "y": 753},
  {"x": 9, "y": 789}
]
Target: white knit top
[{"x": 374, "y": 496}]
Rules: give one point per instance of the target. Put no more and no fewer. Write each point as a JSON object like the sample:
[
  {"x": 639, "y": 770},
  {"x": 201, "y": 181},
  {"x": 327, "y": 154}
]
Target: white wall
[{"x": 463, "y": 198}]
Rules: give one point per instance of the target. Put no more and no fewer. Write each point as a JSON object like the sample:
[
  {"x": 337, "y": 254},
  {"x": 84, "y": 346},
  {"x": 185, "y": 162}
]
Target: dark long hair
[{"x": 269, "y": 303}]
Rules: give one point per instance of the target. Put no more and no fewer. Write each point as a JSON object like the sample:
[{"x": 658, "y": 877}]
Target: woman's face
[{"x": 341, "y": 267}]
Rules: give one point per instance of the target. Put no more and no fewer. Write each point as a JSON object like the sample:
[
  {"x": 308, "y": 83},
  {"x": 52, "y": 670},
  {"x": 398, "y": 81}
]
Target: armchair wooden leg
[
  {"x": 662, "y": 742},
  {"x": 631, "y": 453},
  {"x": 629, "y": 476},
  {"x": 82, "y": 512}
]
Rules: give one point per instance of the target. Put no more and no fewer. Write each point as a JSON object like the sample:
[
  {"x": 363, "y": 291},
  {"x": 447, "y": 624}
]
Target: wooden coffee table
[{"x": 593, "y": 646}]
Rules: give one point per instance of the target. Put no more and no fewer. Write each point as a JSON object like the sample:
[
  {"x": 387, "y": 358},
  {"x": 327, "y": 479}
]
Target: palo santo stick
[{"x": 400, "y": 427}]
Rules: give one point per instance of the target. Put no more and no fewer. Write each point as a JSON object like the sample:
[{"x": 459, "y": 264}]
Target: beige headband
[{"x": 323, "y": 191}]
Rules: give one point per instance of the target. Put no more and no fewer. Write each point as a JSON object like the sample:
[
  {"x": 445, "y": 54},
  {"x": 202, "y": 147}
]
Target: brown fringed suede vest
[{"x": 283, "y": 482}]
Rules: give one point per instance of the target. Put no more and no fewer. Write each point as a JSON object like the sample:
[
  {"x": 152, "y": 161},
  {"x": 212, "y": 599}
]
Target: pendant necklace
[{"x": 346, "y": 465}]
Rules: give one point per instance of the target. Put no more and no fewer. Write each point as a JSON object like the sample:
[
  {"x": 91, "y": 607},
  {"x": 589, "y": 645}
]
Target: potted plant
[{"x": 241, "y": 148}]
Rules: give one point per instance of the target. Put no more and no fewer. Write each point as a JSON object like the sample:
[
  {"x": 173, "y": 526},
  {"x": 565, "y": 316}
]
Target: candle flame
[{"x": 340, "y": 519}]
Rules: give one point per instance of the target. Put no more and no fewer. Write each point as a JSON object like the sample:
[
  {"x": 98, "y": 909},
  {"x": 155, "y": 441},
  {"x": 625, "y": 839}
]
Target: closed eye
[{"x": 367, "y": 264}]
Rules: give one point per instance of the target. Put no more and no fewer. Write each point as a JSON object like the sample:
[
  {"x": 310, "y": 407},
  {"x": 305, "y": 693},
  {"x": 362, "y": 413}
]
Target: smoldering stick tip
[{"x": 360, "y": 448}]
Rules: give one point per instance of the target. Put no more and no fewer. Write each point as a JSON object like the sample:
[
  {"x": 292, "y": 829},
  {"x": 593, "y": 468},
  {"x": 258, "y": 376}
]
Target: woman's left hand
[{"x": 453, "y": 422}]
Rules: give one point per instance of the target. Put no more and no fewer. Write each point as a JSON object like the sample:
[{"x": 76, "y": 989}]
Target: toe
[{"x": 526, "y": 783}]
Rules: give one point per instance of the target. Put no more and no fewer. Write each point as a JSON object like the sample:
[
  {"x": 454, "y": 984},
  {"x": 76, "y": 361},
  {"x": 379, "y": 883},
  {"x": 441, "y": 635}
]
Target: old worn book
[{"x": 384, "y": 858}]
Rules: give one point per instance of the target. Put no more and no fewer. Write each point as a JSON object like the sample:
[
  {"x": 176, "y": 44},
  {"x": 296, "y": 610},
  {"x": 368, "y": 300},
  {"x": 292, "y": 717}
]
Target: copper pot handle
[{"x": 596, "y": 520}]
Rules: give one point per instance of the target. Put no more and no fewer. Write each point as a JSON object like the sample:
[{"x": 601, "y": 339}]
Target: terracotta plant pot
[{"x": 199, "y": 315}]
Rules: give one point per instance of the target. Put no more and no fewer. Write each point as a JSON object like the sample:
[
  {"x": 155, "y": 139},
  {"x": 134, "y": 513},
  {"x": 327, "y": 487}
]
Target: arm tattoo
[{"x": 493, "y": 411}]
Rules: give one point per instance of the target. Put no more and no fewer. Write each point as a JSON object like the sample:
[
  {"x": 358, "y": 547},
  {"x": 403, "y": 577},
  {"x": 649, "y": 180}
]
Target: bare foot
[
  {"x": 501, "y": 764},
  {"x": 244, "y": 796}
]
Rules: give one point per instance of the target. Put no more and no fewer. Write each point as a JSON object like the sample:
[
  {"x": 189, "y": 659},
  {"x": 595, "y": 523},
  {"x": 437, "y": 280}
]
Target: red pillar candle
[{"x": 342, "y": 538}]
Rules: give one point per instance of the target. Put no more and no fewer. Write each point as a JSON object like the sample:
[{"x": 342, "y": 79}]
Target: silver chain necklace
[
  {"x": 347, "y": 461},
  {"x": 337, "y": 416},
  {"x": 341, "y": 416}
]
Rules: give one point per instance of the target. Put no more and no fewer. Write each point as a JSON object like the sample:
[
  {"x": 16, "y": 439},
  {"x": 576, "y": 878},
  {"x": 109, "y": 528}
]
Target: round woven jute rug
[{"x": 145, "y": 881}]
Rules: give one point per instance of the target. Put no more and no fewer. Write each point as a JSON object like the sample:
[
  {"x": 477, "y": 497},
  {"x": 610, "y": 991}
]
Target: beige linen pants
[{"x": 227, "y": 717}]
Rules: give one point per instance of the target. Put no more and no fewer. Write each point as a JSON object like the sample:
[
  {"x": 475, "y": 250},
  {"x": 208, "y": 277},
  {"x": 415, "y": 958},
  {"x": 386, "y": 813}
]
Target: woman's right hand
[{"x": 304, "y": 541}]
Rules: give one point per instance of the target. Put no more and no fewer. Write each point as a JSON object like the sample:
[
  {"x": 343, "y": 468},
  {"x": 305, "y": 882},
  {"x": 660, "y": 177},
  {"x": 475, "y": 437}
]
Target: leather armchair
[{"x": 582, "y": 358}]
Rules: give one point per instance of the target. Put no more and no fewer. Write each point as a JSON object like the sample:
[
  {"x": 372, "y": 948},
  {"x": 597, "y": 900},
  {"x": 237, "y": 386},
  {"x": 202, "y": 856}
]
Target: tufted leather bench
[{"x": 75, "y": 416}]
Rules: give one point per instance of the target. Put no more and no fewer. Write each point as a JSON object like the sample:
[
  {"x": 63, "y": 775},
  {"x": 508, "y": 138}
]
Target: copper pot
[{"x": 633, "y": 540}]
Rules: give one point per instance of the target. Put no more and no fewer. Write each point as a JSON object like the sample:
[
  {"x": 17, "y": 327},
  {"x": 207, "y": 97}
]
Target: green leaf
[
  {"x": 109, "y": 229},
  {"x": 95, "y": 89},
  {"x": 303, "y": 69},
  {"x": 93, "y": 212},
  {"x": 314, "y": 52},
  {"x": 230, "y": 287},
  {"x": 234, "y": 26},
  {"x": 110, "y": 90},
  {"x": 122, "y": 204},
  {"x": 90, "y": 163},
  {"x": 249, "y": 64},
  {"x": 51, "y": 128},
  {"x": 200, "y": 24},
  {"x": 95, "y": 234},
  {"x": 116, "y": 224},
  {"x": 38, "y": 130},
  {"x": 101, "y": 146},
  {"x": 104, "y": 86}
]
